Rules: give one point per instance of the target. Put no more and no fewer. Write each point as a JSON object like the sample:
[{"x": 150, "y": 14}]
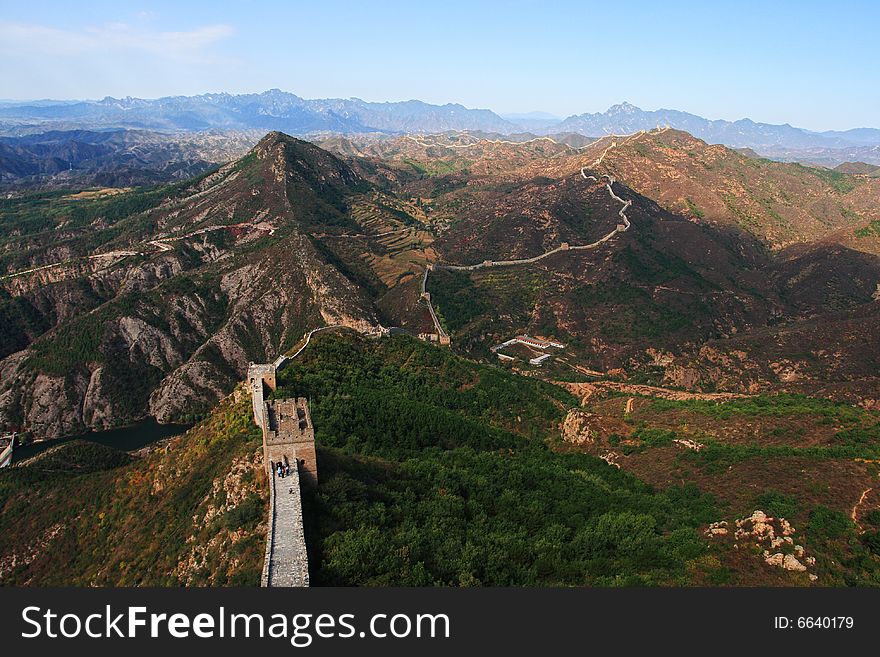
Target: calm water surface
[{"x": 127, "y": 439}]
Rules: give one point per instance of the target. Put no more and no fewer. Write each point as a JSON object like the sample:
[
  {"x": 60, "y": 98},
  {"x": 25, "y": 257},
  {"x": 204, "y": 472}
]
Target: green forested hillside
[
  {"x": 436, "y": 471},
  {"x": 433, "y": 470}
]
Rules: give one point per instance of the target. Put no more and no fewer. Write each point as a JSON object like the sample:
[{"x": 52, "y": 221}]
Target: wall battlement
[{"x": 289, "y": 437}]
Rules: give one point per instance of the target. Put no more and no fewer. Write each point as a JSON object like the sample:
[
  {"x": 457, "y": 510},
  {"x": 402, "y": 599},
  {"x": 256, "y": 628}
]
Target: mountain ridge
[
  {"x": 163, "y": 315},
  {"x": 742, "y": 133},
  {"x": 280, "y": 110},
  {"x": 270, "y": 110},
  {"x": 168, "y": 293}
]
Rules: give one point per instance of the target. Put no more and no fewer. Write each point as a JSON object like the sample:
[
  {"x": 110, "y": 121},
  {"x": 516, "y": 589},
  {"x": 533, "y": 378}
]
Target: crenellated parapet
[{"x": 289, "y": 437}]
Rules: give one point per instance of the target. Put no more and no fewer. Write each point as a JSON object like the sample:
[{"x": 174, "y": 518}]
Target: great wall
[
  {"x": 7, "y": 445},
  {"x": 289, "y": 436},
  {"x": 441, "y": 336},
  {"x": 288, "y": 442},
  {"x": 291, "y": 465},
  {"x": 160, "y": 245}
]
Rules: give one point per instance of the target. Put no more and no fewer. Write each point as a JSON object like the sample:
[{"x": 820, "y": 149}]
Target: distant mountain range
[
  {"x": 744, "y": 133},
  {"x": 271, "y": 110},
  {"x": 287, "y": 112},
  {"x": 116, "y": 157}
]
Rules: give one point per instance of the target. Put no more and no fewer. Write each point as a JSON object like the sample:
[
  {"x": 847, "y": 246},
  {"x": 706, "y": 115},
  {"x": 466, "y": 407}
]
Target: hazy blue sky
[{"x": 811, "y": 64}]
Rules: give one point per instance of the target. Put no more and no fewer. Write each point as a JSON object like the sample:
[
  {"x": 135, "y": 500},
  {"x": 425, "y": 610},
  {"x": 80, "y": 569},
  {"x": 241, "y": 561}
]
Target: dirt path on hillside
[
  {"x": 586, "y": 391},
  {"x": 855, "y": 511},
  {"x": 159, "y": 245}
]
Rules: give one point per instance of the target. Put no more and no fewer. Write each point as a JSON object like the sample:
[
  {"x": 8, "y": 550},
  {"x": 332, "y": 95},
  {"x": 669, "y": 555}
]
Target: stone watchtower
[
  {"x": 289, "y": 438},
  {"x": 288, "y": 433}
]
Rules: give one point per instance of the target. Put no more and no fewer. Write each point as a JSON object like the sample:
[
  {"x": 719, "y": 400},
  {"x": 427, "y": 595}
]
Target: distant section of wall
[
  {"x": 260, "y": 376},
  {"x": 440, "y": 336}
]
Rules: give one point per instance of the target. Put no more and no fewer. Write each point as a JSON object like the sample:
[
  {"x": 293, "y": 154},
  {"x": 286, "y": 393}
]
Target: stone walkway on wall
[{"x": 286, "y": 562}]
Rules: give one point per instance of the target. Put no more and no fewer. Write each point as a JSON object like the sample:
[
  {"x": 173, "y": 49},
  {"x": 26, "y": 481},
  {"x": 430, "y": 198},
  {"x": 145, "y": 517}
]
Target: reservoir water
[{"x": 127, "y": 439}]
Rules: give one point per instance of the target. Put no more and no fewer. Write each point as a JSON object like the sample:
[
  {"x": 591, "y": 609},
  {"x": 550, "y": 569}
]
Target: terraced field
[{"x": 394, "y": 241}]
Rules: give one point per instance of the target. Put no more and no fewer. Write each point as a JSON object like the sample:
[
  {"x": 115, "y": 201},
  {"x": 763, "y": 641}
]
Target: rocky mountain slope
[
  {"x": 159, "y": 311},
  {"x": 781, "y": 204},
  {"x": 722, "y": 247},
  {"x": 190, "y": 512}
]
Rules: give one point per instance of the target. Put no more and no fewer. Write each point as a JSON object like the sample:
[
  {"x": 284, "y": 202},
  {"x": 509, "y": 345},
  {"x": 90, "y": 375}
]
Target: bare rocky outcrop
[
  {"x": 53, "y": 406},
  {"x": 772, "y": 537},
  {"x": 178, "y": 319},
  {"x": 578, "y": 427},
  {"x": 195, "y": 383},
  {"x": 147, "y": 343},
  {"x": 717, "y": 529},
  {"x": 687, "y": 443},
  {"x": 96, "y": 409},
  {"x": 150, "y": 274},
  {"x": 682, "y": 377},
  {"x": 241, "y": 483},
  {"x": 660, "y": 358}
]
